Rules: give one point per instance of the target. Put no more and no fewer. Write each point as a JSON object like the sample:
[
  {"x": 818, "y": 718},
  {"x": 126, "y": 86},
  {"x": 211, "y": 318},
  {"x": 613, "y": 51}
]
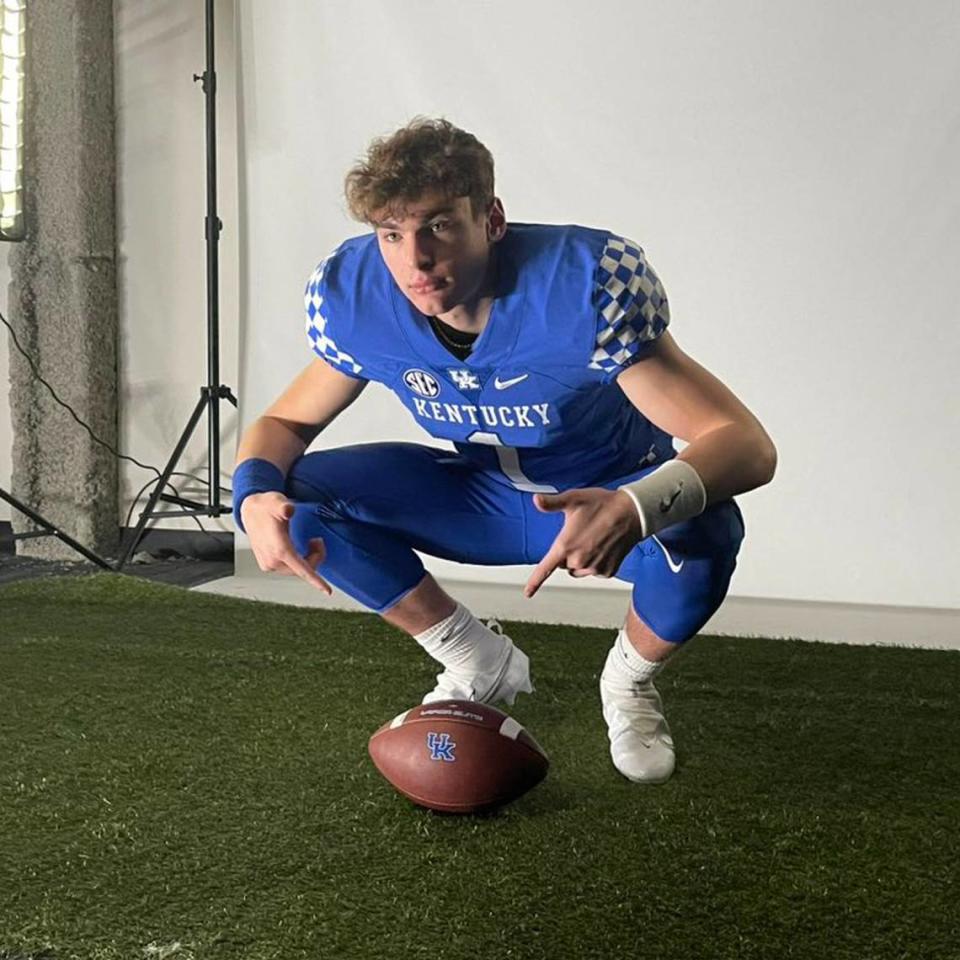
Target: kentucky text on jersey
[
  {"x": 535, "y": 405},
  {"x": 489, "y": 416}
]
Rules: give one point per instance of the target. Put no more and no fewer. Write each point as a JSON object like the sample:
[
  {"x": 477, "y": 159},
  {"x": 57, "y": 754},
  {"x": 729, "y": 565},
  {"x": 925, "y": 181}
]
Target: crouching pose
[{"x": 542, "y": 353}]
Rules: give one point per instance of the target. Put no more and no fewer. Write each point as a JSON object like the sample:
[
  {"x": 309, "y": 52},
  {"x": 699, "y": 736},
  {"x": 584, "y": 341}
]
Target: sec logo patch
[{"x": 421, "y": 382}]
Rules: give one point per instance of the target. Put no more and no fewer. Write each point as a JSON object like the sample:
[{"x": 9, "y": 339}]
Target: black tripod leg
[
  {"x": 164, "y": 477},
  {"x": 65, "y": 537}
]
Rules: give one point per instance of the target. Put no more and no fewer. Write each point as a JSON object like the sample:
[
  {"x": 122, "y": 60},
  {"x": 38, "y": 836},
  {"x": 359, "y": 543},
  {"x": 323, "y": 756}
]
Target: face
[{"x": 436, "y": 251}]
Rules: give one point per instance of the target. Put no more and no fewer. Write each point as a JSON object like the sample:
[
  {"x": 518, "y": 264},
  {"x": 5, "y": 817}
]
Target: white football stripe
[
  {"x": 510, "y": 728},
  {"x": 397, "y": 720}
]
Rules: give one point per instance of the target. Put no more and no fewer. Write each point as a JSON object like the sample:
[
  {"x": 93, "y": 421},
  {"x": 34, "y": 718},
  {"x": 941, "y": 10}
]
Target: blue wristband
[{"x": 254, "y": 476}]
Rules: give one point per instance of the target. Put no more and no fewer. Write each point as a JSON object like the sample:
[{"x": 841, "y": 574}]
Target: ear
[{"x": 496, "y": 221}]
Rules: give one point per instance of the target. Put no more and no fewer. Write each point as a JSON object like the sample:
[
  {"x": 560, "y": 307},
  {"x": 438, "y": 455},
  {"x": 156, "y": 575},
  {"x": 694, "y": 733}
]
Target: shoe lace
[
  {"x": 642, "y": 705},
  {"x": 455, "y": 687}
]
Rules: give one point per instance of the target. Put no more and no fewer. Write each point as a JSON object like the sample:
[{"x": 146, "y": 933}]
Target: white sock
[
  {"x": 629, "y": 663},
  {"x": 463, "y": 644}
]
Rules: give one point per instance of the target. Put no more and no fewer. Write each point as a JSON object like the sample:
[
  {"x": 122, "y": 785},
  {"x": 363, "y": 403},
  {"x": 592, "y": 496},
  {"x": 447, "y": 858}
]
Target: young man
[{"x": 542, "y": 353}]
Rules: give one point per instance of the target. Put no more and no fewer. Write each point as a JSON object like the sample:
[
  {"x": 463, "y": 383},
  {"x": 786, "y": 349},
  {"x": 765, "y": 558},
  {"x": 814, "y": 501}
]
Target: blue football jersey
[{"x": 536, "y": 404}]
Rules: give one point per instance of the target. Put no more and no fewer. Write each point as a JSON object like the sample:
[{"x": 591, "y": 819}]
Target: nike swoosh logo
[
  {"x": 503, "y": 384},
  {"x": 675, "y": 567},
  {"x": 666, "y": 504}
]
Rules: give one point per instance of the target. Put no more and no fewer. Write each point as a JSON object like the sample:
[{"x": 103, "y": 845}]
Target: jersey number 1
[{"x": 509, "y": 459}]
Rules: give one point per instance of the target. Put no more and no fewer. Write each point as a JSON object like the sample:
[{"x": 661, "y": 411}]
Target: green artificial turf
[{"x": 184, "y": 775}]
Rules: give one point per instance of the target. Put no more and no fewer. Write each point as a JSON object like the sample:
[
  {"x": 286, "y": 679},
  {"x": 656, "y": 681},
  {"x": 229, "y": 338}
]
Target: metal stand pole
[{"x": 214, "y": 391}]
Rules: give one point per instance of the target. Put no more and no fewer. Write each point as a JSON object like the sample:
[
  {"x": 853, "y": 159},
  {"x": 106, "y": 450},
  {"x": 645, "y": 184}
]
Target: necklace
[{"x": 448, "y": 340}]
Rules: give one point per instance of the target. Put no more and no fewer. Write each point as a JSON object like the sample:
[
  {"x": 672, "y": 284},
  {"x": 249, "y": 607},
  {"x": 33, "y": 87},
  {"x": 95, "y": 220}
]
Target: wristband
[
  {"x": 254, "y": 476},
  {"x": 670, "y": 494}
]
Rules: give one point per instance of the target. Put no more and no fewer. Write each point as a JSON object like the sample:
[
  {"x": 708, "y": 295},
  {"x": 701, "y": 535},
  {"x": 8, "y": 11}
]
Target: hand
[
  {"x": 266, "y": 518},
  {"x": 600, "y": 528}
]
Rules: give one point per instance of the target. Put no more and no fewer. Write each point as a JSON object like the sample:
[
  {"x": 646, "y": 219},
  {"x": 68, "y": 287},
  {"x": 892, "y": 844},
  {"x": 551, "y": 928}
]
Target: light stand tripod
[
  {"x": 214, "y": 391},
  {"x": 51, "y": 530}
]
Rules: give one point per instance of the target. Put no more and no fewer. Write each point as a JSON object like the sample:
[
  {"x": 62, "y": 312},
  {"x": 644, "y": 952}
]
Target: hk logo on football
[{"x": 441, "y": 746}]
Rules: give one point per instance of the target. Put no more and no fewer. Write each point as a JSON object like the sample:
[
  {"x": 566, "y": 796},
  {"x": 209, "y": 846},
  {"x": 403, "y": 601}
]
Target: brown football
[{"x": 458, "y": 756}]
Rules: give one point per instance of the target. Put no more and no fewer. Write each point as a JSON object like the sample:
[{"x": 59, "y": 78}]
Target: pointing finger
[
  {"x": 304, "y": 570},
  {"x": 543, "y": 569}
]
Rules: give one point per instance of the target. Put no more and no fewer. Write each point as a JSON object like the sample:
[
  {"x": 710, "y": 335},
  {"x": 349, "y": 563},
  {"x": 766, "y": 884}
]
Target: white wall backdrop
[
  {"x": 790, "y": 169},
  {"x": 161, "y": 249}
]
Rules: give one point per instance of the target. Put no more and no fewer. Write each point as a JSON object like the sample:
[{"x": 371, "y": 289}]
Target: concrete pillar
[{"x": 63, "y": 293}]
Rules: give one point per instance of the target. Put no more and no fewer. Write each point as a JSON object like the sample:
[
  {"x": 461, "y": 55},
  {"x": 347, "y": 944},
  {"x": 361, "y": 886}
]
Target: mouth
[{"x": 427, "y": 287}]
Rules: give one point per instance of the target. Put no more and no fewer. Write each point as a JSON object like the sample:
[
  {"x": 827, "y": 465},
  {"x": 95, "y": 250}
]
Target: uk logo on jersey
[
  {"x": 441, "y": 746},
  {"x": 421, "y": 382},
  {"x": 464, "y": 379}
]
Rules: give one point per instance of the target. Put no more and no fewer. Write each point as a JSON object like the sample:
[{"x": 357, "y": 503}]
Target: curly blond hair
[{"x": 426, "y": 153}]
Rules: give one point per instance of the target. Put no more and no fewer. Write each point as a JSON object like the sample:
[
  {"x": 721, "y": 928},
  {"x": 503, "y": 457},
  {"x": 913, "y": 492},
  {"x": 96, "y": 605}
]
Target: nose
[{"x": 419, "y": 253}]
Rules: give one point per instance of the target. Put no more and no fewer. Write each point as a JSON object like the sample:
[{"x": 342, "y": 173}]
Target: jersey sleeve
[
  {"x": 631, "y": 307},
  {"x": 325, "y": 338}
]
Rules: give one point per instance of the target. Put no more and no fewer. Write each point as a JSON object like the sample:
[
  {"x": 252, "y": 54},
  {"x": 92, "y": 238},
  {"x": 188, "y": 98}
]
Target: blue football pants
[{"x": 373, "y": 504}]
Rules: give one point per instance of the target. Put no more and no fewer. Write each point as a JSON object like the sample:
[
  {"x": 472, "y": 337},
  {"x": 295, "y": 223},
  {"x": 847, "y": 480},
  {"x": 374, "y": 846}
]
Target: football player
[{"x": 542, "y": 352}]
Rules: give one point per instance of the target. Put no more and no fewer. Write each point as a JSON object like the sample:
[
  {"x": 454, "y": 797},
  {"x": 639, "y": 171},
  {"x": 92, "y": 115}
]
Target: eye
[{"x": 440, "y": 225}]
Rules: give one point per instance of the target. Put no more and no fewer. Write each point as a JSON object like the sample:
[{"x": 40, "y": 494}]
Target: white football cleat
[
  {"x": 510, "y": 677},
  {"x": 640, "y": 743}
]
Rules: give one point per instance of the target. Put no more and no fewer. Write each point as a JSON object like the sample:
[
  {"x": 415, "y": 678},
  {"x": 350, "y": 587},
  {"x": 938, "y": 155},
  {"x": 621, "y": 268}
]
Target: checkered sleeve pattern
[
  {"x": 318, "y": 326},
  {"x": 631, "y": 304}
]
